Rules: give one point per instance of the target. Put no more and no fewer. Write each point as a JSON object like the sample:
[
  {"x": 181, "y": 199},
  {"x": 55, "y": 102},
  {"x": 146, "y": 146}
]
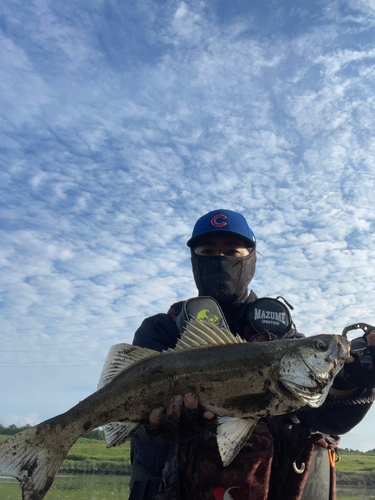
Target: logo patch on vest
[
  {"x": 223, "y": 494},
  {"x": 204, "y": 314},
  {"x": 270, "y": 317}
]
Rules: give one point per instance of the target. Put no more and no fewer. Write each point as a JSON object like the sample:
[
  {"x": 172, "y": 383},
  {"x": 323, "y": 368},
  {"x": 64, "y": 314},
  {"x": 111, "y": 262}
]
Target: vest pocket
[{"x": 247, "y": 477}]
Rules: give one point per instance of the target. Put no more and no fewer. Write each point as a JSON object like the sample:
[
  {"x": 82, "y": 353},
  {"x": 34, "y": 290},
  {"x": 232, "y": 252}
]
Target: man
[{"x": 276, "y": 460}]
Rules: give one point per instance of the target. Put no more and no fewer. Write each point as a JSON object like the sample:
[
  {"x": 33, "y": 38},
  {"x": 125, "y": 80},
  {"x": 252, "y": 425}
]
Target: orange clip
[{"x": 331, "y": 455}]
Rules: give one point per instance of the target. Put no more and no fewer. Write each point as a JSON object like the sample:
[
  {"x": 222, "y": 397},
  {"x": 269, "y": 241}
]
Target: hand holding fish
[
  {"x": 190, "y": 401},
  {"x": 370, "y": 339},
  {"x": 359, "y": 368},
  {"x": 183, "y": 419}
]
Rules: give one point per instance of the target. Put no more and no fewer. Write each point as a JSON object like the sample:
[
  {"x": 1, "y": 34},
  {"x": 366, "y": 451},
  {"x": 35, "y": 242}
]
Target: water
[
  {"x": 74, "y": 487},
  {"x": 95, "y": 487},
  {"x": 355, "y": 493}
]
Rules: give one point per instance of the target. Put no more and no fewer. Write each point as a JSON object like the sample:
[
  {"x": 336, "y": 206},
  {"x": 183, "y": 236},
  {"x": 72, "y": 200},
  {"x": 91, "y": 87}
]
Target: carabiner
[{"x": 363, "y": 326}]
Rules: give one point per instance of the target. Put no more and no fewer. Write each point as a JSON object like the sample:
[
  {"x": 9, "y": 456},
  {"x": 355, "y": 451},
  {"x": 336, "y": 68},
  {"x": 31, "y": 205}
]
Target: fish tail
[{"x": 33, "y": 457}]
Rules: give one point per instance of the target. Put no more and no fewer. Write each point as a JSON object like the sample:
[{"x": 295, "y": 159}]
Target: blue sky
[{"x": 122, "y": 122}]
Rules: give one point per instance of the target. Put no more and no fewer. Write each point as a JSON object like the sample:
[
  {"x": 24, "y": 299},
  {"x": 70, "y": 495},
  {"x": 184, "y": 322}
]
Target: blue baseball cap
[{"x": 223, "y": 221}]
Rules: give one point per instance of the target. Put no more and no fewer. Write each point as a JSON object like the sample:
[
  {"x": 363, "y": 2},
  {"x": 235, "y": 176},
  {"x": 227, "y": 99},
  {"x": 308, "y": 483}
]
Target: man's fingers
[
  {"x": 208, "y": 415},
  {"x": 174, "y": 408},
  {"x": 191, "y": 401},
  {"x": 371, "y": 338},
  {"x": 155, "y": 415}
]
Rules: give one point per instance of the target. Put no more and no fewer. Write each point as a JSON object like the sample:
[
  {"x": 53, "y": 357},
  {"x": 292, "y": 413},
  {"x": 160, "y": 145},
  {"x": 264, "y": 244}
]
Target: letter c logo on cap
[{"x": 218, "y": 224}]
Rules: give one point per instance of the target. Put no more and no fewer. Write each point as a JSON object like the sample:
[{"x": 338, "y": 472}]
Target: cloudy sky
[{"x": 122, "y": 122}]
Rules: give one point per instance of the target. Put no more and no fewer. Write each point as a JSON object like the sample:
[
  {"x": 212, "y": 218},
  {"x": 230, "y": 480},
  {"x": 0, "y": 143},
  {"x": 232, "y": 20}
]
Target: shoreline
[
  {"x": 84, "y": 469},
  {"x": 355, "y": 478},
  {"x": 343, "y": 478}
]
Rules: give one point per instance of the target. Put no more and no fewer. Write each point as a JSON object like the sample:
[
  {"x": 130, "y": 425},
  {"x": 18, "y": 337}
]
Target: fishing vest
[{"x": 267, "y": 467}]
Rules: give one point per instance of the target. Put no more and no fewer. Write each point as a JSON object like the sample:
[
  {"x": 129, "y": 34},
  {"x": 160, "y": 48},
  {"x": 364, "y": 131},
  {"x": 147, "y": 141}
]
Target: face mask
[{"x": 224, "y": 278}]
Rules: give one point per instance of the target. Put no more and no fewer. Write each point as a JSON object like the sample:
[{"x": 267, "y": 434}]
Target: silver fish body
[
  {"x": 237, "y": 380},
  {"x": 243, "y": 381}
]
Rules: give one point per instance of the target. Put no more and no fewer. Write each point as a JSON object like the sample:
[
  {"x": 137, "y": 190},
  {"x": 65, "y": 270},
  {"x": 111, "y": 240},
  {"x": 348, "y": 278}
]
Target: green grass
[
  {"x": 93, "y": 454},
  {"x": 74, "y": 487},
  {"x": 359, "y": 462},
  {"x": 91, "y": 448}
]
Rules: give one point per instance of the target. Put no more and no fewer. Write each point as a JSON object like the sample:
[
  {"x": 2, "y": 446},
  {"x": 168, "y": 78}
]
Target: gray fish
[{"x": 240, "y": 382}]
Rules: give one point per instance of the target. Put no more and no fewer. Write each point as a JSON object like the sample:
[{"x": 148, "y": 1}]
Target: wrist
[{"x": 344, "y": 394}]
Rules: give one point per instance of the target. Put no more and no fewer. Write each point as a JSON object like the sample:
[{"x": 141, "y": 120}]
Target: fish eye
[{"x": 321, "y": 346}]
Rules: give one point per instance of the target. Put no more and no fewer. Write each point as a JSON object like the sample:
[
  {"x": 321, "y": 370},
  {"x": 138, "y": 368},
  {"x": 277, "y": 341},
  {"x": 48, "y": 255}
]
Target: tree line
[{"x": 97, "y": 434}]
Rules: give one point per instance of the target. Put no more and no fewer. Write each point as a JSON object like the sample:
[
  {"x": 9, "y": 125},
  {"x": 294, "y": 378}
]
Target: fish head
[{"x": 308, "y": 368}]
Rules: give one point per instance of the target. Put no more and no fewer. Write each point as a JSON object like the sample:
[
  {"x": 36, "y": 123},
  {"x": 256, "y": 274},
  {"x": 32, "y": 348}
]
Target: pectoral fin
[{"x": 232, "y": 434}]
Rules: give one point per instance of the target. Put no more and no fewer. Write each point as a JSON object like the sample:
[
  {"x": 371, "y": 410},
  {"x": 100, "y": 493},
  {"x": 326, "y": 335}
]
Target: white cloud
[
  {"x": 122, "y": 125},
  {"x": 185, "y": 21},
  {"x": 20, "y": 420}
]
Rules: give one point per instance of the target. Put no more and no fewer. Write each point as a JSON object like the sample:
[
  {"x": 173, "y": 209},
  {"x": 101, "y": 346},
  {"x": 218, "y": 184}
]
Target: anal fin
[{"x": 232, "y": 434}]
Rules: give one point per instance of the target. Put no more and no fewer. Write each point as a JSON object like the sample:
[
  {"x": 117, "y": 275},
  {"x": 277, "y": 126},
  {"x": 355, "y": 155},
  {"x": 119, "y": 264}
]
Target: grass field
[
  {"x": 360, "y": 462},
  {"x": 92, "y": 453}
]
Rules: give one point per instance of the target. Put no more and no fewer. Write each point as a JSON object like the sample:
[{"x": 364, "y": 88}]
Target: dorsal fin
[
  {"x": 205, "y": 334},
  {"x": 119, "y": 358}
]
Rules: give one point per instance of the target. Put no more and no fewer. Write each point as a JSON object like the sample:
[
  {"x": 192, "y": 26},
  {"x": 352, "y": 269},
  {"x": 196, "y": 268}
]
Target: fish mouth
[
  {"x": 308, "y": 396},
  {"x": 286, "y": 392}
]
